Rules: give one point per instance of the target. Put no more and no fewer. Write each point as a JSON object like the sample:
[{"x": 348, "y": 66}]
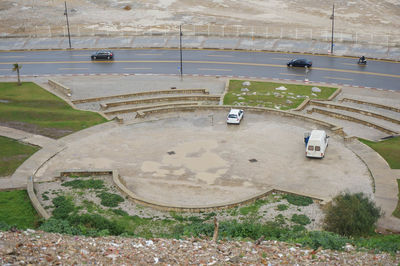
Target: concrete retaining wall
[
  {"x": 355, "y": 110},
  {"x": 144, "y": 108},
  {"x": 391, "y": 108},
  {"x": 214, "y": 98},
  {"x": 353, "y": 119},
  {"x": 144, "y": 93},
  {"x": 35, "y": 201},
  {"x": 59, "y": 87}
]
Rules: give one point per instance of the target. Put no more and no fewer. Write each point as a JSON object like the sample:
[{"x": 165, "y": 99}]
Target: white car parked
[{"x": 235, "y": 116}]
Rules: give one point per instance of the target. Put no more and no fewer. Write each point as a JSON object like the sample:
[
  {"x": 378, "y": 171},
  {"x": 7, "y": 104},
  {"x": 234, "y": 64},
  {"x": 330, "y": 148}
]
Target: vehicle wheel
[
  {"x": 94, "y": 58},
  {"x": 108, "y": 57}
]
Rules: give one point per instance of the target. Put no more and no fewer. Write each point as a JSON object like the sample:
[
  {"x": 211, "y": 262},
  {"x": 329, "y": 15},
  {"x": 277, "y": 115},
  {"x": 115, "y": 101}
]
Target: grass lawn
[
  {"x": 16, "y": 209},
  {"x": 396, "y": 212},
  {"x": 31, "y": 108},
  {"x": 265, "y": 94},
  {"x": 389, "y": 149},
  {"x": 13, "y": 154}
]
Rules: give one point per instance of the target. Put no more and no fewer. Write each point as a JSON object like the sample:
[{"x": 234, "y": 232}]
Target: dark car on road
[
  {"x": 103, "y": 55},
  {"x": 299, "y": 63}
]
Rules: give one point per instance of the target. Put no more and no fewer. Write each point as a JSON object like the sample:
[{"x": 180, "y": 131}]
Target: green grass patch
[
  {"x": 31, "y": 108},
  {"x": 16, "y": 209},
  {"x": 389, "y": 149},
  {"x": 12, "y": 154},
  {"x": 84, "y": 184},
  {"x": 298, "y": 200},
  {"x": 264, "y": 94},
  {"x": 253, "y": 208},
  {"x": 396, "y": 212},
  {"x": 282, "y": 207},
  {"x": 110, "y": 199},
  {"x": 300, "y": 219}
]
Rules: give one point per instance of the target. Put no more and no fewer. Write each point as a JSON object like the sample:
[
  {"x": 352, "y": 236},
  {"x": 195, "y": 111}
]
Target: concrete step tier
[
  {"x": 144, "y": 107},
  {"x": 357, "y": 118},
  {"x": 140, "y": 94},
  {"x": 331, "y": 105},
  {"x": 186, "y": 98},
  {"x": 376, "y": 105}
]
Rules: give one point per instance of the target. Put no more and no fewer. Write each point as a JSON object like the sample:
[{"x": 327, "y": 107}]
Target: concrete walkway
[{"x": 386, "y": 188}]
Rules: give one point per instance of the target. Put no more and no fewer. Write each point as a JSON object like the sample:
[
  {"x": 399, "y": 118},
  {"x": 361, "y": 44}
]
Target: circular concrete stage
[{"x": 196, "y": 159}]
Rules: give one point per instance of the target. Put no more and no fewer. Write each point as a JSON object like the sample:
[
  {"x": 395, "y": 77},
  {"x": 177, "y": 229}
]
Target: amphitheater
[{"x": 167, "y": 145}]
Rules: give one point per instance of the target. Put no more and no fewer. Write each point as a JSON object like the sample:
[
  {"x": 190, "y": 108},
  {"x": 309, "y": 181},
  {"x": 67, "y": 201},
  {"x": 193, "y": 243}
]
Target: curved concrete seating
[
  {"x": 391, "y": 108},
  {"x": 355, "y": 110},
  {"x": 144, "y": 107},
  {"x": 144, "y": 93},
  {"x": 186, "y": 98},
  {"x": 353, "y": 119}
]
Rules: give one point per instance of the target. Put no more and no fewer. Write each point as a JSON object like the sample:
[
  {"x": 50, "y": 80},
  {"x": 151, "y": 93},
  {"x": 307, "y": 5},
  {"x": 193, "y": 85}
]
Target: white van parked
[{"x": 316, "y": 144}]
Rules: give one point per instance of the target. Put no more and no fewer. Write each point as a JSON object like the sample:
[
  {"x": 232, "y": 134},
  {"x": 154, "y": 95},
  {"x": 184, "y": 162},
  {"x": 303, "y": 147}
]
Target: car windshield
[{"x": 232, "y": 116}]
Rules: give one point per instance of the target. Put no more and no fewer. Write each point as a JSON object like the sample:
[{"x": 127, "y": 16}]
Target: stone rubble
[{"x": 39, "y": 248}]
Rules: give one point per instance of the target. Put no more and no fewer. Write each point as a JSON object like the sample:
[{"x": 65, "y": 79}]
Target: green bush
[
  {"x": 120, "y": 212},
  {"x": 91, "y": 224},
  {"x": 282, "y": 207},
  {"x": 388, "y": 243},
  {"x": 298, "y": 200},
  {"x": 59, "y": 226},
  {"x": 301, "y": 219},
  {"x": 110, "y": 199},
  {"x": 63, "y": 206},
  {"x": 351, "y": 215},
  {"x": 327, "y": 240},
  {"x": 84, "y": 184}
]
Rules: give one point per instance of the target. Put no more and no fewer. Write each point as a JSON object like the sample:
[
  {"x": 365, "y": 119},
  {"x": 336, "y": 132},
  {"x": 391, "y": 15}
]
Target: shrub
[
  {"x": 59, "y": 226},
  {"x": 327, "y": 240},
  {"x": 120, "y": 212},
  {"x": 91, "y": 224},
  {"x": 110, "y": 199},
  {"x": 301, "y": 219},
  {"x": 351, "y": 215},
  {"x": 62, "y": 207},
  {"x": 84, "y": 184},
  {"x": 298, "y": 200},
  {"x": 282, "y": 207}
]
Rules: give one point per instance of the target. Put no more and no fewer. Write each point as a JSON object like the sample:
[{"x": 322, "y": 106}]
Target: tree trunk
[
  {"x": 216, "y": 226},
  {"x": 19, "y": 80}
]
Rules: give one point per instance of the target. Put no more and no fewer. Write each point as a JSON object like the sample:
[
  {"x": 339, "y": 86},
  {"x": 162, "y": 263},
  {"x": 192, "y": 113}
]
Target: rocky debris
[
  {"x": 281, "y": 88},
  {"x": 40, "y": 248},
  {"x": 244, "y": 89},
  {"x": 246, "y": 83}
]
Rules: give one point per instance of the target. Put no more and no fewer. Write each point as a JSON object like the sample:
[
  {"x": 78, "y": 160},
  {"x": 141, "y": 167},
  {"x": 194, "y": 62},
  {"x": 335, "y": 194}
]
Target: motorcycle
[{"x": 362, "y": 62}]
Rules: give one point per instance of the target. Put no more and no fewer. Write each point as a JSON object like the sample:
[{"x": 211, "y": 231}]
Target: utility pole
[
  {"x": 180, "y": 48},
  {"x": 333, "y": 25},
  {"x": 66, "y": 14}
]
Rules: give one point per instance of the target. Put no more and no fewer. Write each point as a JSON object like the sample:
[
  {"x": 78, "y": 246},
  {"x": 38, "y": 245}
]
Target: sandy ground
[{"x": 363, "y": 16}]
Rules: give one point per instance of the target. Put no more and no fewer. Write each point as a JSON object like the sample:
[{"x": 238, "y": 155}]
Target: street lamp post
[
  {"x": 66, "y": 14},
  {"x": 333, "y": 25},
  {"x": 180, "y": 48}
]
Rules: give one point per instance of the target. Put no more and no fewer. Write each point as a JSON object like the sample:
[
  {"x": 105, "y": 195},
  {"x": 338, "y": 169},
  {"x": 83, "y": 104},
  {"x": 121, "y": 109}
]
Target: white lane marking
[
  {"x": 219, "y": 55},
  {"x": 147, "y": 54},
  {"x": 280, "y": 58},
  {"x": 349, "y": 64},
  {"x": 72, "y": 68},
  {"x": 136, "y": 68},
  {"x": 214, "y": 69},
  {"x": 337, "y": 78},
  {"x": 12, "y": 56},
  {"x": 290, "y": 74},
  {"x": 85, "y": 55}
]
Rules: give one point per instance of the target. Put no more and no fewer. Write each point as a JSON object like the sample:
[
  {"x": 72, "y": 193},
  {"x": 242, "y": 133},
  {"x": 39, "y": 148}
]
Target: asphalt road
[{"x": 330, "y": 69}]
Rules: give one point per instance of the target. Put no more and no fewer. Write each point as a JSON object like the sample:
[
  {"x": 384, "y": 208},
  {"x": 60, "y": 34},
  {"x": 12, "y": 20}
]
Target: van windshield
[
  {"x": 310, "y": 147},
  {"x": 232, "y": 116}
]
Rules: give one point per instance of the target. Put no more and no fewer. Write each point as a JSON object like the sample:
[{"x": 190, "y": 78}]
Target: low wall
[
  {"x": 391, "y": 108},
  {"x": 353, "y": 119},
  {"x": 355, "y": 110},
  {"x": 144, "y": 93},
  {"x": 35, "y": 201},
  {"x": 59, "y": 87}
]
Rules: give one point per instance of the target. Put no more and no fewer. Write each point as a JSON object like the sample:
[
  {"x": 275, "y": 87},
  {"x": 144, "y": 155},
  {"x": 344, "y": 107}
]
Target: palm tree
[{"x": 17, "y": 67}]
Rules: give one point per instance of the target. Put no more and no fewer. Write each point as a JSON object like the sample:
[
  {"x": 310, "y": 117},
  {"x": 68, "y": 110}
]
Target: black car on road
[
  {"x": 299, "y": 63},
  {"x": 103, "y": 55}
]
